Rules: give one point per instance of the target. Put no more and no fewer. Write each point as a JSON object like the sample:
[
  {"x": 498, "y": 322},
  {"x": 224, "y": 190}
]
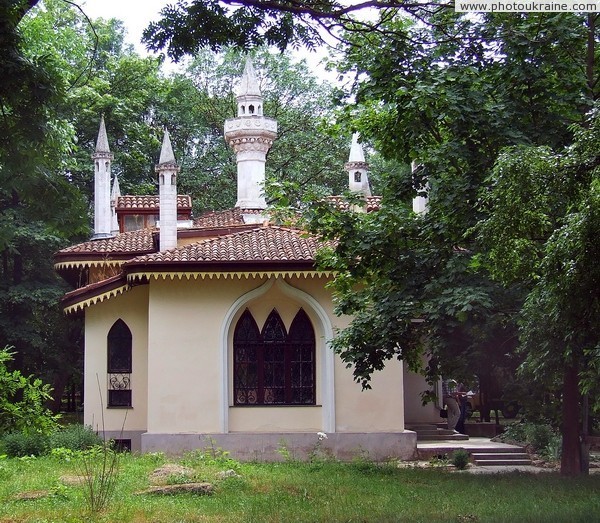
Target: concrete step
[
  {"x": 483, "y": 456},
  {"x": 501, "y": 462},
  {"x": 442, "y": 437},
  {"x": 436, "y": 432},
  {"x": 497, "y": 457},
  {"x": 422, "y": 426}
]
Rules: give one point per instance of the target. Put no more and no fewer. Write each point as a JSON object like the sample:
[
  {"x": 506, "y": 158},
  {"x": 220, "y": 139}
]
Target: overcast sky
[{"x": 137, "y": 14}]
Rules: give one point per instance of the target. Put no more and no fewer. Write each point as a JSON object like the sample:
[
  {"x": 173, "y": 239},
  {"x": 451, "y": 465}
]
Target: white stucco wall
[
  {"x": 187, "y": 327},
  {"x": 132, "y": 308},
  {"x": 415, "y": 411}
]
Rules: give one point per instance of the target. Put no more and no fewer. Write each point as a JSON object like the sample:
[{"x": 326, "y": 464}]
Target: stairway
[
  {"x": 431, "y": 432},
  {"x": 499, "y": 457}
]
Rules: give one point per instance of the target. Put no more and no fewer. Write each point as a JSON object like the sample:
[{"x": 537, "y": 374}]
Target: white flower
[{"x": 321, "y": 436}]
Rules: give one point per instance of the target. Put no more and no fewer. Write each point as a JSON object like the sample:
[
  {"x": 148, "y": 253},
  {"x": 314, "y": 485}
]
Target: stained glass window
[
  {"x": 273, "y": 367},
  {"x": 119, "y": 365}
]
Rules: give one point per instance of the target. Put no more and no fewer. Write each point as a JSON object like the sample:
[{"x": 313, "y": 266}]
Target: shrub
[
  {"x": 75, "y": 437},
  {"x": 539, "y": 436},
  {"x": 22, "y": 400},
  {"x": 19, "y": 444},
  {"x": 515, "y": 432},
  {"x": 460, "y": 459}
]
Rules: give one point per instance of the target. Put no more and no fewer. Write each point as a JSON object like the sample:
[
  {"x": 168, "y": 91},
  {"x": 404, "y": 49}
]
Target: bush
[
  {"x": 460, "y": 459},
  {"x": 75, "y": 437},
  {"x": 539, "y": 436},
  {"x": 19, "y": 444},
  {"x": 22, "y": 401}
]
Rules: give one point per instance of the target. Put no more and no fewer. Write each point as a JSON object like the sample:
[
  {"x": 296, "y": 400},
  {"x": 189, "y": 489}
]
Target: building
[{"x": 217, "y": 328}]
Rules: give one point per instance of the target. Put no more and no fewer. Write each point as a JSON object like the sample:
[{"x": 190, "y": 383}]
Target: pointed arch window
[
  {"x": 119, "y": 364},
  {"x": 273, "y": 367}
]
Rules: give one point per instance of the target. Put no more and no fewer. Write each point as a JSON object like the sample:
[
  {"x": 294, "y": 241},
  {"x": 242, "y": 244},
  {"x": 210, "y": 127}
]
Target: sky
[{"x": 137, "y": 14}]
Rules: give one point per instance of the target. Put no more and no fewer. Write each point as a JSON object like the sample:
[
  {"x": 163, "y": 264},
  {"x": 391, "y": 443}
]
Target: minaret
[
  {"x": 358, "y": 181},
  {"x": 102, "y": 160},
  {"x": 250, "y": 135},
  {"x": 167, "y": 170},
  {"x": 419, "y": 203},
  {"x": 114, "y": 196}
]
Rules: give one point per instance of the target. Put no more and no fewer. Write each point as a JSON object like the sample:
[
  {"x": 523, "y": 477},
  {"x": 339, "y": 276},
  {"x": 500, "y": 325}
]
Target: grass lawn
[{"x": 299, "y": 492}]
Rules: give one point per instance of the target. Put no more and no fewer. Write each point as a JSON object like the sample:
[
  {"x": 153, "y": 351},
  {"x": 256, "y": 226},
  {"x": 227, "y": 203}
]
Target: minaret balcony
[{"x": 251, "y": 124}]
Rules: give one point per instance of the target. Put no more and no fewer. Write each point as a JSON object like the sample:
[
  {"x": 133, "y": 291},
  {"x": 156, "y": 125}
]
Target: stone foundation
[{"x": 275, "y": 446}]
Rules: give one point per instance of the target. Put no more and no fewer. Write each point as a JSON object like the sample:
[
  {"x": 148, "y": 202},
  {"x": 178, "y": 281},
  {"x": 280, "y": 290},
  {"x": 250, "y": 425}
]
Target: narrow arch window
[
  {"x": 119, "y": 364},
  {"x": 246, "y": 343},
  {"x": 357, "y": 176},
  {"x": 251, "y": 109},
  {"x": 273, "y": 367},
  {"x": 302, "y": 360}
]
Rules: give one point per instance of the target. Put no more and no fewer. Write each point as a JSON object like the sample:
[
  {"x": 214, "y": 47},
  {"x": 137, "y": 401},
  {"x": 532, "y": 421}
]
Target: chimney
[
  {"x": 102, "y": 162},
  {"x": 167, "y": 170},
  {"x": 114, "y": 198},
  {"x": 419, "y": 203},
  {"x": 357, "y": 167}
]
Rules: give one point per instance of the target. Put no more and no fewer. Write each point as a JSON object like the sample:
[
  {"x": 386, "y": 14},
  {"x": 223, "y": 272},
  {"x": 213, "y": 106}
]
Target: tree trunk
[
  {"x": 570, "y": 464},
  {"x": 59, "y": 384}
]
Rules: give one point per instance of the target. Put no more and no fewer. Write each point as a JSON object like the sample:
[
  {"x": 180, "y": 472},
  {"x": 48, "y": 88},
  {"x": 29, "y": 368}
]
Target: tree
[
  {"x": 541, "y": 230},
  {"x": 186, "y": 28},
  {"x": 22, "y": 400}
]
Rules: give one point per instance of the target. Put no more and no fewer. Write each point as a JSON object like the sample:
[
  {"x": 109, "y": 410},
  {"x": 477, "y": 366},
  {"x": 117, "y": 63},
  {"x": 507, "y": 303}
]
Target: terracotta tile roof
[
  {"x": 262, "y": 244},
  {"x": 150, "y": 202},
  {"x": 373, "y": 202},
  {"x": 226, "y": 218},
  {"x": 134, "y": 242}
]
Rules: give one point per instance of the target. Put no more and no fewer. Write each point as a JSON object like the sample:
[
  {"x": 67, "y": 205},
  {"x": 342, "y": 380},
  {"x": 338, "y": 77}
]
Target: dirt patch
[
  {"x": 162, "y": 474},
  {"x": 32, "y": 495},
  {"x": 73, "y": 481},
  {"x": 202, "y": 489}
]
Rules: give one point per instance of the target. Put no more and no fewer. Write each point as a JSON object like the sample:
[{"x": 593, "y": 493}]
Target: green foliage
[
  {"x": 543, "y": 439},
  {"x": 22, "y": 401},
  {"x": 99, "y": 466},
  {"x": 75, "y": 437},
  {"x": 301, "y": 492},
  {"x": 20, "y": 444},
  {"x": 460, "y": 459}
]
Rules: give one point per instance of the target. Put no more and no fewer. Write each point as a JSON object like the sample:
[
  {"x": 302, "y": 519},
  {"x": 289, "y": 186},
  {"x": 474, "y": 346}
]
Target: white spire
[
  {"x": 102, "y": 162},
  {"x": 166, "y": 151},
  {"x": 116, "y": 189},
  {"x": 102, "y": 141},
  {"x": 249, "y": 81},
  {"x": 356, "y": 151},
  {"x": 167, "y": 170},
  {"x": 357, "y": 167},
  {"x": 249, "y": 97},
  {"x": 114, "y": 196}
]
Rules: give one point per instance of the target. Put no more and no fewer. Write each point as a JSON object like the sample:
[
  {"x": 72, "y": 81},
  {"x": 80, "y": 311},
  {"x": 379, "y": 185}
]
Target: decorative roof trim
[
  {"x": 188, "y": 275},
  {"x": 78, "y": 299},
  {"x": 79, "y": 306},
  {"x": 81, "y": 264}
]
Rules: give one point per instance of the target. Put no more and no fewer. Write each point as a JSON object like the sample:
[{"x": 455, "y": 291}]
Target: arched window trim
[
  {"x": 119, "y": 334},
  {"x": 275, "y": 367}
]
